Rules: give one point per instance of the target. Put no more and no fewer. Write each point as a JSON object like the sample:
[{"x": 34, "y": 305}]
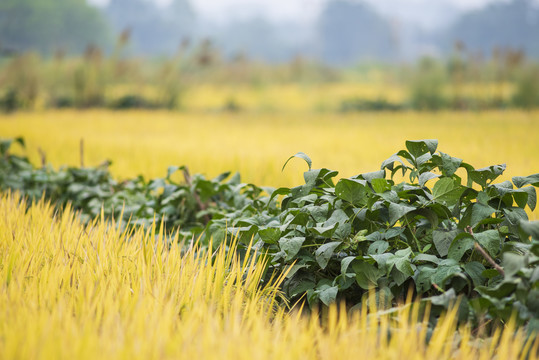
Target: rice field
[
  {"x": 74, "y": 291},
  {"x": 70, "y": 291},
  {"x": 258, "y": 144}
]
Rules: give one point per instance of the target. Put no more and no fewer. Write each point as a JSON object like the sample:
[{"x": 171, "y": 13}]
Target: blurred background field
[{"x": 257, "y": 145}]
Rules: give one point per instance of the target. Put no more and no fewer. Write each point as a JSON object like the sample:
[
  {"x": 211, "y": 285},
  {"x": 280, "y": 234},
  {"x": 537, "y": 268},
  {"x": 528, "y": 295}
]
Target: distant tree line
[{"x": 347, "y": 30}]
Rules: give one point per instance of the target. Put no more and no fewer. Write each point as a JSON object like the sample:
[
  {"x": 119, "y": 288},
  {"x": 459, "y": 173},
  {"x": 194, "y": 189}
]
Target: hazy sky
[{"x": 423, "y": 11}]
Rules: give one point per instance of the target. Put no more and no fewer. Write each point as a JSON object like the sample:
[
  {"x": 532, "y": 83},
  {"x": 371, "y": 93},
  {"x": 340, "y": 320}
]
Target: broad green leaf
[
  {"x": 312, "y": 175},
  {"x": 426, "y": 176},
  {"x": 445, "y": 299},
  {"x": 442, "y": 187},
  {"x": 482, "y": 176},
  {"x": 442, "y": 240},
  {"x": 449, "y": 164},
  {"x": 299, "y": 155},
  {"x": 393, "y": 232},
  {"x": 353, "y": 191},
  {"x": 380, "y": 185},
  {"x": 328, "y": 294},
  {"x": 294, "y": 269},
  {"x": 530, "y": 228},
  {"x": 515, "y": 215},
  {"x": 462, "y": 243},
  {"x": 325, "y": 231},
  {"x": 499, "y": 291},
  {"x": 430, "y": 215},
  {"x": 397, "y": 276},
  {"x": 490, "y": 240},
  {"x": 427, "y": 258},
  {"x": 513, "y": 263},
  {"x": 270, "y": 235},
  {"x": 397, "y": 211},
  {"x": 291, "y": 246},
  {"x": 401, "y": 261},
  {"x": 338, "y": 216},
  {"x": 444, "y": 273},
  {"x": 378, "y": 247},
  {"x": 324, "y": 252},
  {"x": 474, "y": 270},
  {"x": 345, "y": 263},
  {"x": 279, "y": 191},
  {"x": 420, "y": 147},
  {"x": 343, "y": 231},
  {"x": 521, "y": 198},
  {"x": 300, "y": 287},
  {"x": 532, "y": 197},
  {"x": 521, "y": 181},
  {"x": 480, "y": 212},
  {"x": 483, "y": 197},
  {"x": 446, "y": 190},
  {"x": 423, "y": 279},
  {"x": 390, "y": 161},
  {"x": 367, "y": 275},
  {"x": 370, "y": 176}
]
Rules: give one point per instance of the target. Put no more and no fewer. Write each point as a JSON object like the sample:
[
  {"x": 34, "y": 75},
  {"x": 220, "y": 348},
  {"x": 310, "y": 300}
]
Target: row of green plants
[{"x": 446, "y": 232}]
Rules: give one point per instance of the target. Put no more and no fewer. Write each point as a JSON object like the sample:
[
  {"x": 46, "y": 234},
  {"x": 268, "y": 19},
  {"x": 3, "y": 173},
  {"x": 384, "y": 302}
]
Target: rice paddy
[
  {"x": 258, "y": 144},
  {"x": 70, "y": 291}
]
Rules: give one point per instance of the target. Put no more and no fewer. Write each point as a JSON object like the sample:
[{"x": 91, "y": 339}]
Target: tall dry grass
[{"x": 69, "y": 291}]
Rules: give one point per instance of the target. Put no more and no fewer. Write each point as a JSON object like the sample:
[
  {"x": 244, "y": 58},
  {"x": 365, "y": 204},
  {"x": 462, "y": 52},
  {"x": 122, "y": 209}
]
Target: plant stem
[{"x": 413, "y": 233}]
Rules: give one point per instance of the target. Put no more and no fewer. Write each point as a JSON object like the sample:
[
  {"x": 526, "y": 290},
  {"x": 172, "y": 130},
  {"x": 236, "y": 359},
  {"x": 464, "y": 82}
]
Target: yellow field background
[{"x": 258, "y": 144}]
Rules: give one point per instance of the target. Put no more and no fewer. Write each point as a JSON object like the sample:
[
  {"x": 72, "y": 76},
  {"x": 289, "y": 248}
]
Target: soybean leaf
[
  {"x": 442, "y": 240},
  {"x": 353, "y": 191},
  {"x": 370, "y": 176},
  {"x": 299, "y": 155},
  {"x": 401, "y": 261},
  {"x": 475, "y": 270},
  {"x": 445, "y": 299},
  {"x": 532, "y": 197},
  {"x": 270, "y": 235},
  {"x": 521, "y": 198},
  {"x": 367, "y": 275},
  {"x": 345, "y": 263},
  {"x": 513, "y": 263},
  {"x": 445, "y": 272},
  {"x": 390, "y": 161},
  {"x": 521, "y": 181},
  {"x": 446, "y": 190},
  {"x": 462, "y": 243},
  {"x": 378, "y": 247},
  {"x": 490, "y": 240},
  {"x": 324, "y": 252},
  {"x": 397, "y": 211},
  {"x": 328, "y": 294},
  {"x": 291, "y": 246},
  {"x": 427, "y": 258},
  {"x": 530, "y": 228},
  {"x": 426, "y": 176},
  {"x": 480, "y": 212},
  {"x": 449, "y": 164},
  {"x": 420, "y": 147},
  {"x": 380, "y": 185},
  {"x": 279, "y": 191}
]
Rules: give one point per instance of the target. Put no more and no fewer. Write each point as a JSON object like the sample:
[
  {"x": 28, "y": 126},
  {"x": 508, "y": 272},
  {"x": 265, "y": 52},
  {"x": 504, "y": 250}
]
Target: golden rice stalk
[{"x": 73, "y": 291}]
